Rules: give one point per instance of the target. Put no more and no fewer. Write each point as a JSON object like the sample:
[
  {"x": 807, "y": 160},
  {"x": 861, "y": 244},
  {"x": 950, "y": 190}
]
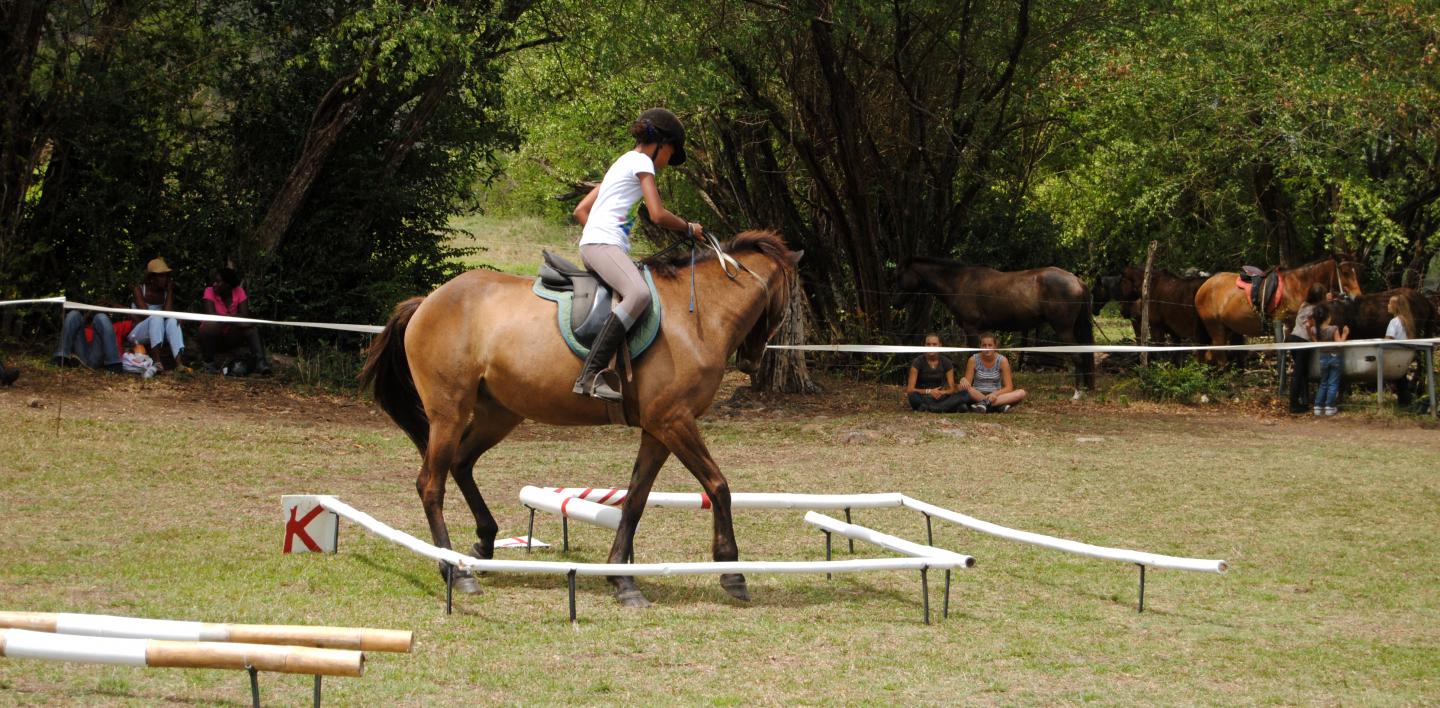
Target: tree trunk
[
  {"x": 335, "y": 111},
  {"x": 1275, "y": 211}
]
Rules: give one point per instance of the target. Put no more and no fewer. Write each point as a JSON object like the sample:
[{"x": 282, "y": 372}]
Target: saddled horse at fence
[
  {"x": 1228, "y": 317},
  {"x": 460, "y": 368},
  {"x": 1172, "y": 304},
  {"x": 984, "y": 299}
]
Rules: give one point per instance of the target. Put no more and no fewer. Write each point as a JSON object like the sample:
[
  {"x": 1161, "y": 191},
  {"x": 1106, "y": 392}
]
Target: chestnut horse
[
  {"x": 1013, "y": 301},
  {"x": 460, "y": 368},
  {"x": 1228, "y": 317}
]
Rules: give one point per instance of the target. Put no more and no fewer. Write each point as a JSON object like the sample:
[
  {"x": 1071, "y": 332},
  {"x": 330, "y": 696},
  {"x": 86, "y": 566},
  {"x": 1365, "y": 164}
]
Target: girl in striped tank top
[{"x": 987, "y": 382}]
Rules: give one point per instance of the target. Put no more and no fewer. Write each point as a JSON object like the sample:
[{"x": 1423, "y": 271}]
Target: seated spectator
[
  {"x": 931, "y": 386},
  {"x": 987, "y": 383},
  {"x": 225, "y": 296},
  {"x": 157, "y": 292},
  {"x": 89, "y": 338},
  {"x": 8, "y": 375}
]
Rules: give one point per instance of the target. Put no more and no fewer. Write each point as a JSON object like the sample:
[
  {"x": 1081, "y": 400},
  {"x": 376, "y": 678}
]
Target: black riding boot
[{"x": 602, "y": 350}]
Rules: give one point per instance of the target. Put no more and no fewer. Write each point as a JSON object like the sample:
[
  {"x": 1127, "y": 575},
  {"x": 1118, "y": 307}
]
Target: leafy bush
[{"x": 1185, "y": 383}]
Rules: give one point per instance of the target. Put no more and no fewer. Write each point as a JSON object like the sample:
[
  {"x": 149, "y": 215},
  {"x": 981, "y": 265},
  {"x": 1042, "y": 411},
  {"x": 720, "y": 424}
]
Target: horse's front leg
[
  {"x": 445, "y": 436},
  {"x": 683, "y": 439},
  {"x": 652, "y": 456}
]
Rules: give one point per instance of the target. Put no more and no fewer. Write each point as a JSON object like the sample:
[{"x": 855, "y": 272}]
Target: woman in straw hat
[{"x": 157, "y": 292}]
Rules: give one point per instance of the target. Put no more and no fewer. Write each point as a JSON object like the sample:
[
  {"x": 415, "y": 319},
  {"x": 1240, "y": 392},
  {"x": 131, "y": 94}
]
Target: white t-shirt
[
  {"x": 1396, "y": 329},
  {"x": 618, "y": 193}
]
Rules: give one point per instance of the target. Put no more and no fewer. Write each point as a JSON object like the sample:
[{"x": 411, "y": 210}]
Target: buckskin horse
[
  {"x": 1225, "y": 310},
  {"x": 457, "y": 370},
  {"x": 1012, "y": 301}
]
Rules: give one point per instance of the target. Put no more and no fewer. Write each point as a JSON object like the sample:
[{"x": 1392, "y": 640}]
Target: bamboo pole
[{"x": 358, "y": 638}]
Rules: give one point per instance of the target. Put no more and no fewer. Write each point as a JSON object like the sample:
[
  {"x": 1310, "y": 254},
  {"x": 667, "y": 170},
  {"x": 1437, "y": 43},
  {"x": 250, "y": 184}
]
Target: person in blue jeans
[
  {"x": 100, "y": 352},
  {"x": 1331, "y": 362}
]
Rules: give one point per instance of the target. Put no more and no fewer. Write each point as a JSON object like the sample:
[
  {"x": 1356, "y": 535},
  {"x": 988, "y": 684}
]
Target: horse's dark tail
[
  {"x": 1085, "y": 334},
  {"x": 389, "y": 369}
]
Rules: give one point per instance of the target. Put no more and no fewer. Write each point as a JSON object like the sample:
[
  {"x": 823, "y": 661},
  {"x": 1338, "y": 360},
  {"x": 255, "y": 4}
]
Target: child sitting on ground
[{"x": 136, "y": 361}]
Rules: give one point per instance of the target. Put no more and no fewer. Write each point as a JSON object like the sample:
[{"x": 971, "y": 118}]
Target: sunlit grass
[{"x": 511, "y": 245}]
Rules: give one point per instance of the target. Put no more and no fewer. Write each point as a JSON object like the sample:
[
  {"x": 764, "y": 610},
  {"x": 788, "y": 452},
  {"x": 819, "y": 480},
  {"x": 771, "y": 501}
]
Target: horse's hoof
[
  {"x": 734, "y": 585},
  {"x": 466, "y": 585},
  {"x": 632, "y": 598},
  {"x": 481, "y": 554}
]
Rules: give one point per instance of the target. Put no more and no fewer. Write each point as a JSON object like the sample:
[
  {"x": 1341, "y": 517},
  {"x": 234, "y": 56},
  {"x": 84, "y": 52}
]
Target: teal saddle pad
[{"x": 642, "y": 335}]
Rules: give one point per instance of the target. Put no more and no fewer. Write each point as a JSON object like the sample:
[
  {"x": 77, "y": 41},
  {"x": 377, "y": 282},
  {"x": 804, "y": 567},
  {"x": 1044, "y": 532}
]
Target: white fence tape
[
  {"x": 195, "y": 316},
  {"x": 830, "y": 348},
  {"x": 1108, "y": 348}
]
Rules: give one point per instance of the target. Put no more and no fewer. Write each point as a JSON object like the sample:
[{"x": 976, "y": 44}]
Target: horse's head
[
  {"x": 1347, "y": 277},
  {"x": 777, "y": 304},
  {"x": 1131, "y": 282},
  {"x": 1105, "y": 289},
  {"x": 908, "y": 283}
]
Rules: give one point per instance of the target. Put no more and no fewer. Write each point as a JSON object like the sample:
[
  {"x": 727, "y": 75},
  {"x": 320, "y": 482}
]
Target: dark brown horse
[
  {"x": 1172, "y": 304},
  {"x": 1012, "y": 301},
  {"x": 1367, "y": 317},
  {"x": 1228, "y": 317},
  {"x": 459, "y": 369}
]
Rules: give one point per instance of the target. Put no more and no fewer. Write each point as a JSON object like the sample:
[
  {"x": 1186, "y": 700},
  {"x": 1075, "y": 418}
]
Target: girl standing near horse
[
  {"x": 1402, "y": 324},
  {"x": 1331, "y": 361},
  {"x": 604, "y": 214}
]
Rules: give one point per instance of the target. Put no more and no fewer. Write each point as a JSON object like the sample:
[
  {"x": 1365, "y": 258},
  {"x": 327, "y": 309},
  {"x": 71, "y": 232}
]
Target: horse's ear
[{"x": 794, "y": 257}]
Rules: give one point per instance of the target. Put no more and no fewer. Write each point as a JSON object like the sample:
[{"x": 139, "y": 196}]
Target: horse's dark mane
[{"x": 760, "y": 240}]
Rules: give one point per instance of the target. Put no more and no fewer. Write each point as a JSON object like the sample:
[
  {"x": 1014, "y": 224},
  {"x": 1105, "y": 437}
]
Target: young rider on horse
[{"x": 605, "y": 240}]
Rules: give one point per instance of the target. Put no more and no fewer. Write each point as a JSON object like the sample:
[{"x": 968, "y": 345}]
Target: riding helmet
[{"x": 663, "y": 127}]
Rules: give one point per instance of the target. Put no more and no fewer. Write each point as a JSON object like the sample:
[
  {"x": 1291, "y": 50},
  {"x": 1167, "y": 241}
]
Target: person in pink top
[{"x": 227, "y": 297}]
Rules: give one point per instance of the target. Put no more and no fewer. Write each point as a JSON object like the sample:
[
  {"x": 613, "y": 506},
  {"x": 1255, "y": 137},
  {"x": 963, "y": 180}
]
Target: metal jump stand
[{"x": 255, "y": 687}]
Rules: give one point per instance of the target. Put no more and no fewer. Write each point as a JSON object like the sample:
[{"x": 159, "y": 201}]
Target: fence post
[{"x": 1145, "y": 304}]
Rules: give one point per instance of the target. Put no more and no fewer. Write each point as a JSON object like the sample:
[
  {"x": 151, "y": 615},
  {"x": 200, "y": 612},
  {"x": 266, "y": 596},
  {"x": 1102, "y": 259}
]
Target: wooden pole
[
  {"x": 23, "y": 643},
  {"x": 1145, "y": 304},
  {"x": 361, "y": 638}
]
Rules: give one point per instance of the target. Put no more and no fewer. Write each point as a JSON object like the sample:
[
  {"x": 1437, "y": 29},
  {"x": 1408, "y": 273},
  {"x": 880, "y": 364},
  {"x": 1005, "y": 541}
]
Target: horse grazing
[
  {"x": 1172, "y": 304},
  {"x": 459, "y": 369},
  {"x": 1228, "y": 317},
  {"x": 1012, "y": 301}
]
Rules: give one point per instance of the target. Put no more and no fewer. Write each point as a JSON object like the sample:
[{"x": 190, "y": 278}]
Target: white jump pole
[
  {"x": 849, "y": 501},
  {"x": 738, "y": 500},
  {"x": 572, "y": 570},
  {"x": 890, "y": 543},
  {"x": 357, "y": 638},
  {"x": 25, "y": 644},
  {"x": 1139, "y": 558}
]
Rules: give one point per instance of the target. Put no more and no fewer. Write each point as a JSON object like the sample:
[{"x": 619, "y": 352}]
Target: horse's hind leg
[
  {"x": 446, "y": 429},
  {"x": 489, "y": 426},
  {"x": 684, "y": 440},
  {"x": 647, "y": 464}
]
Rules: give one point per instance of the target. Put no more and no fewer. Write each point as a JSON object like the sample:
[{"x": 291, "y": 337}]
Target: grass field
[{"x": 162, "y": 499}]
